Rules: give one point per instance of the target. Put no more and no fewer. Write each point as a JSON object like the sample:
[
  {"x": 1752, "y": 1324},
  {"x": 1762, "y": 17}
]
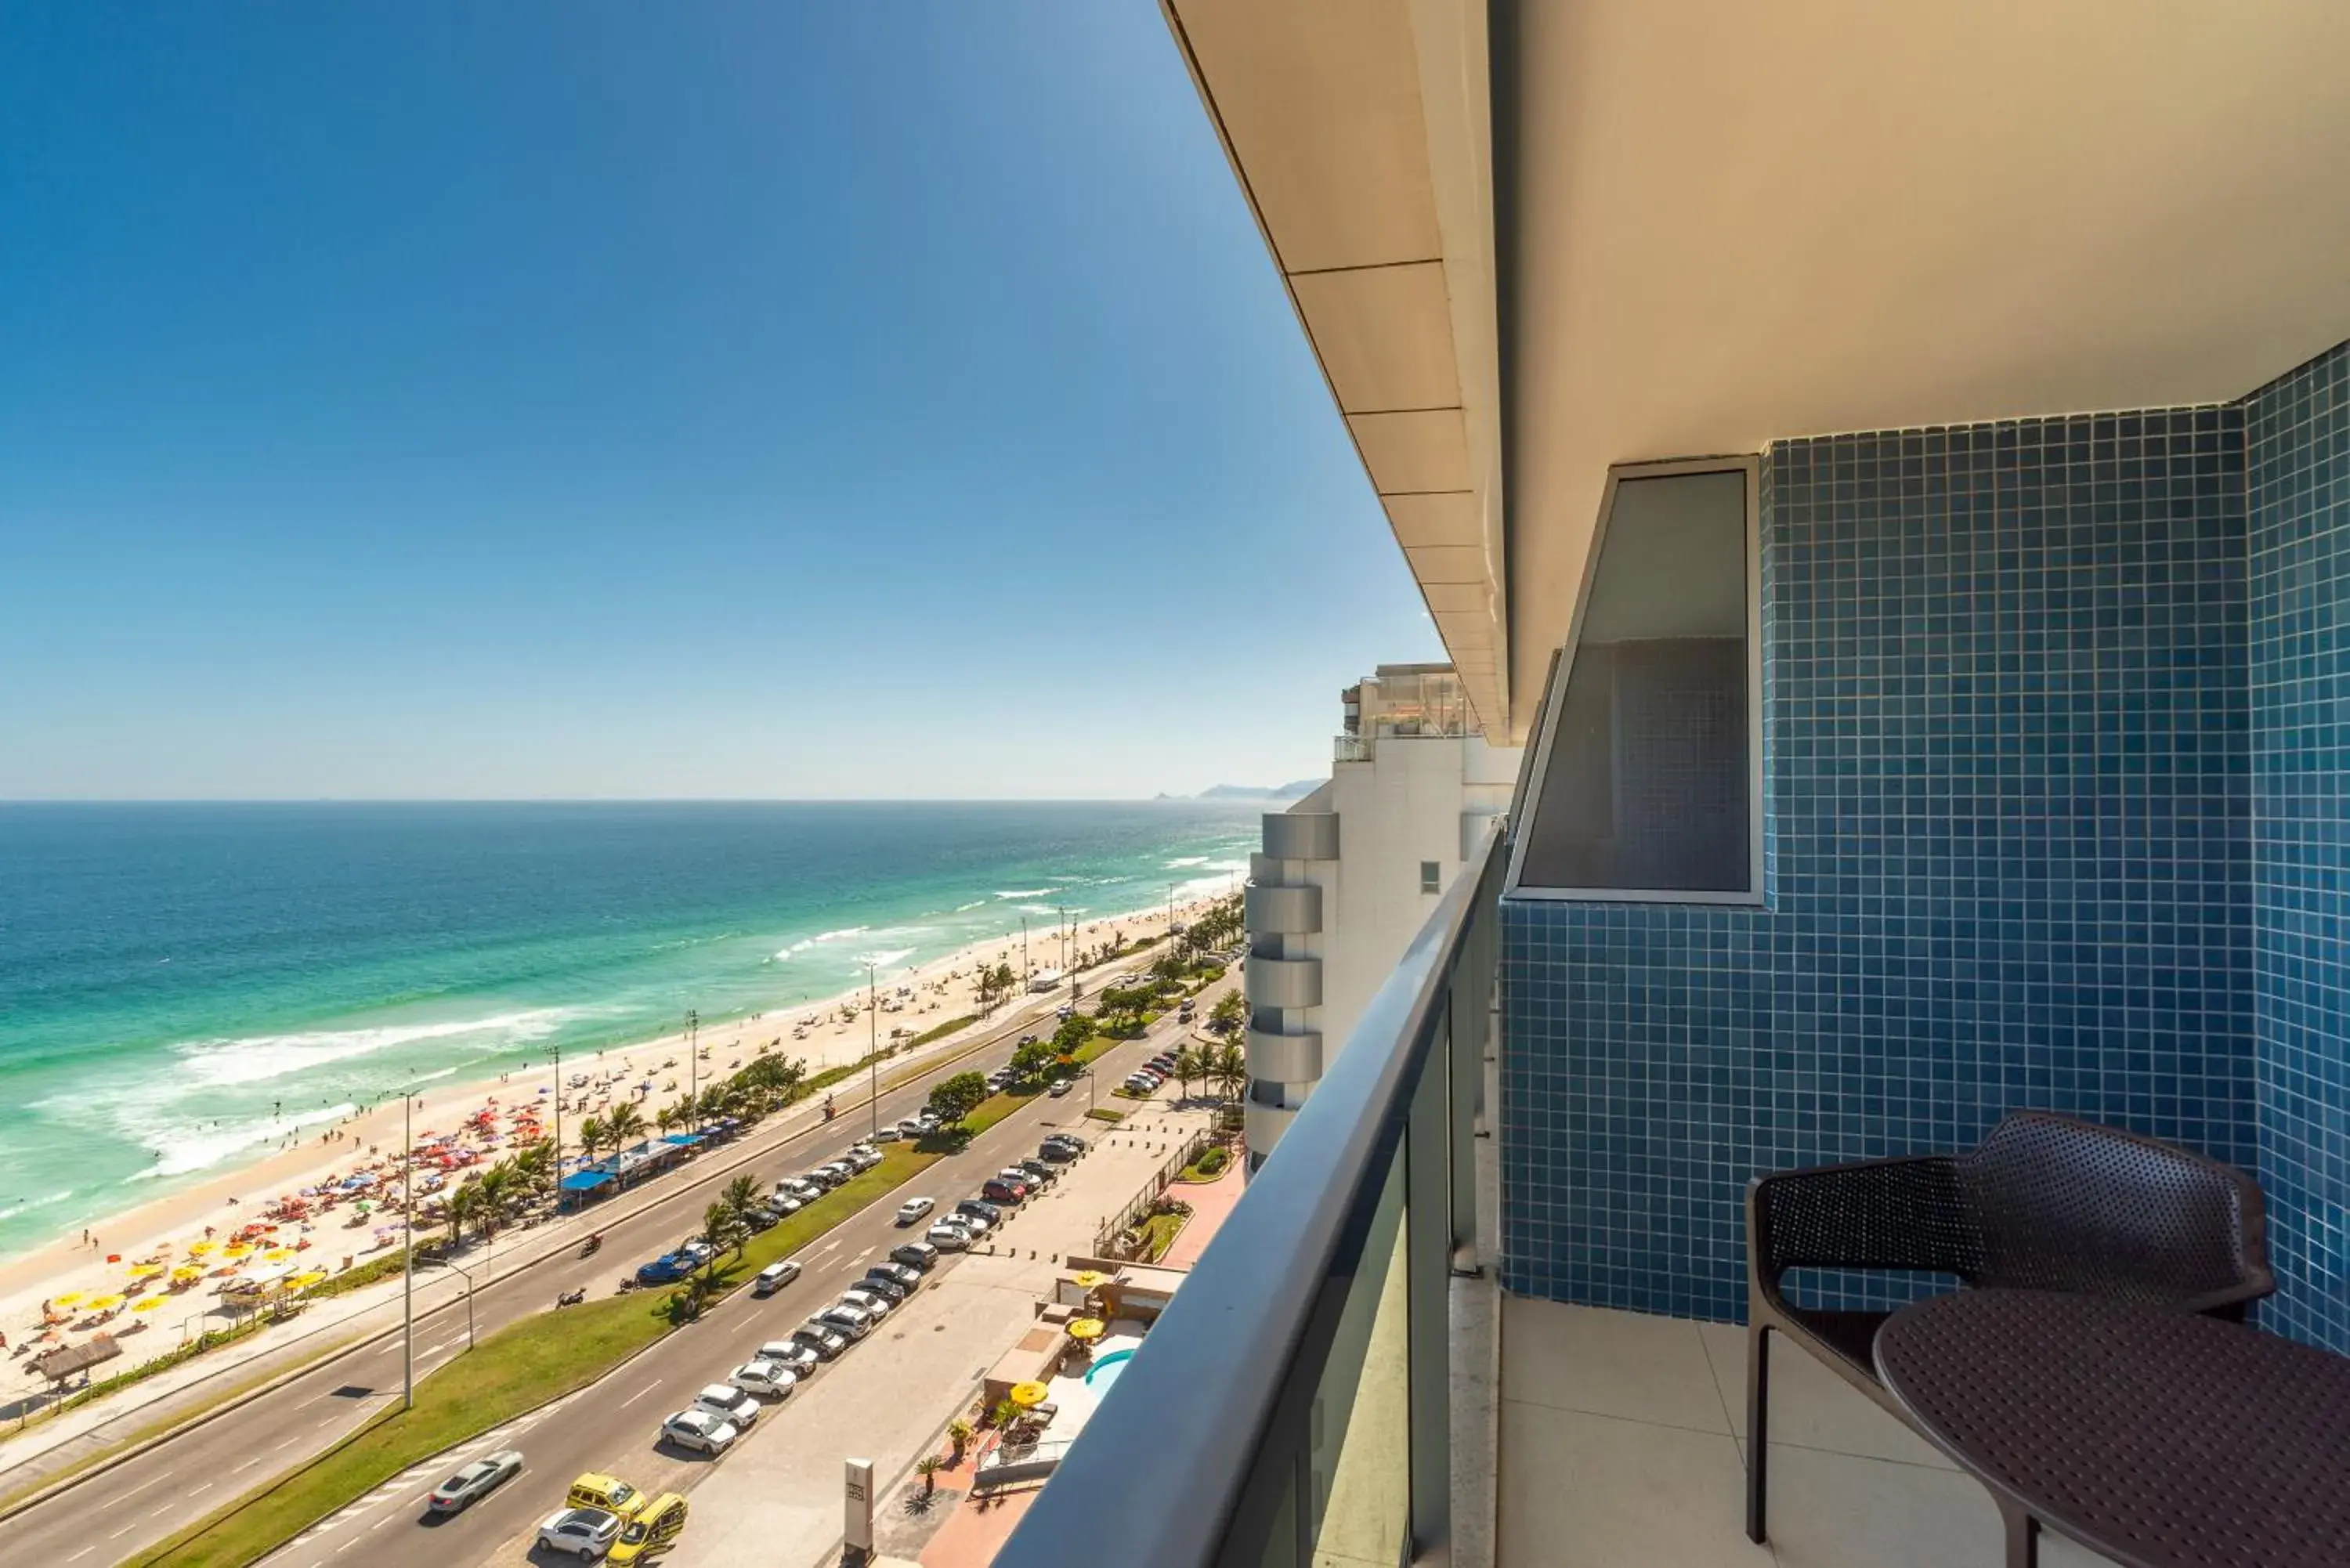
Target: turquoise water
[
  {"x": 173, "y": 977},
  {"x": 1104, "y": 1372}
]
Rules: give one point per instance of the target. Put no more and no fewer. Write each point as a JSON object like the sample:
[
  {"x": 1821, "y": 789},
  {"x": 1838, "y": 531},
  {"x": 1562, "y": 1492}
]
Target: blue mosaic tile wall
[
  {"x": 2008, "y": 768},
  {"x": 2297, "y": 436}
]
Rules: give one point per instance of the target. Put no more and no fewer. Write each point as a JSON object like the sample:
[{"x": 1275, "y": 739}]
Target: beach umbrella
[
  {"x": 1088, "y": 1328},
  {"x": 1028, "y": 1394},
  {"x": 278, "y": 1255},
  {"x": 106, "y": 1304},
  {"x": 71, "y": 1298},
  {"x": 145, "y": 1271},
  {"x": 304, "y": 1281},
  {"x": 1088, "y": 1278},
  {"x": 198, "y": 1249},
  {"x": 234, "y": 1250},
  {"x": 189, "y": 1271},
  {"x": 149, "y": 1305}
]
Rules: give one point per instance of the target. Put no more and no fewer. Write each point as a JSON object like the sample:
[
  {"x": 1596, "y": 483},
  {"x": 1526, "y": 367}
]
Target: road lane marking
[
  {"x": 82, "y": 1553},
  {"x": 638, "y": 1395},
  {"x": 206, "y": 1487},
  {"x": 286, "y": 1444},
  {"x": 143, "y": 1486},
  {"x": 124, "y": 1530}
]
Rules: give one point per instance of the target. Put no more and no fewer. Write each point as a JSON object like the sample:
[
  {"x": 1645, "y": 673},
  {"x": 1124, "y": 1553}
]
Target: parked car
[
  {"x": 873, "y": 1304},
  {"x": 836, "y": 1172},
  {"x": 610, "y": 1493},
  {"x": 701, "y": 1431},
  {"x": 1070, "y": 1139},
  {"x": 887, "y": 1135},
  {"x": 913, "y": 1208},
  {"x": 995, "y": 1190},
  {"x": 905, "y": 1275},
  {"x": 947, "y": 1237},
  {"x": 652, "y": 1532},
  {"x": 826, "y": 1341},
  {"x": 844, "y": 1317},
  {"x": 921, "y": 1255},
  {"x": 1038, "y": 1170},
  {"x": 729, "y": 1403},
  {"x": 774, "y": 1277},
  {"x": 474, "y": 1482},
  {"x": 760, "y": 1217},
  {"x": 667, "y": 1269},
  {"x": 798, "y": 1188},
  {"x": 698, "y": 1247},
  {"x": 820, "y": 1181},
  {"x": 987, "y": 1213},
  {"x": 794, "y": 1355},
  {"x": 1061, "y": 1087},
  {"x": 910, "y": 1127},
  {"x": 761, "y": 1375},
  {"x": 882, "y": 1286},
  {"x": 864, "y": 1156},
  {"x": 1017, "y": 1175},
  {"x": 585, "y": 1532},
  {"x": 1059, "y": 1153}
]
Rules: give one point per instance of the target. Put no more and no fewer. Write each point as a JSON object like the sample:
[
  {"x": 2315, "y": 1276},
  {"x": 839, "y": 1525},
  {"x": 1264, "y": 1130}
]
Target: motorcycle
[
  {"x": 572, "y": 1298},
  {"x": 591, "y": 1247}
]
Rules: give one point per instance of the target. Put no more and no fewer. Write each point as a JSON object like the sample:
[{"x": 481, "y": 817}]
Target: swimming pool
[{"x": 1105, "y": 1370}]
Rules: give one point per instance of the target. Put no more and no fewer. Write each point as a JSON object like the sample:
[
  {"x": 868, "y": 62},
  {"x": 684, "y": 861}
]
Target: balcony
[
  {"x": 1283, "y": 982},
  {"x": 1378, "y": 1400}
]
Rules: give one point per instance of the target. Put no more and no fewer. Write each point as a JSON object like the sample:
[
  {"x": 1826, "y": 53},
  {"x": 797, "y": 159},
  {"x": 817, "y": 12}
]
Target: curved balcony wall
[
  {"x": 1285, "y": 1058},
  {"x": 1285, "y": 981},
  {"x": 1301, "y": 835},
  {"x": 1264, "y": 869},
  {"x": 1284, "y": 909},
  {"x": 1263, "y": 1125}
]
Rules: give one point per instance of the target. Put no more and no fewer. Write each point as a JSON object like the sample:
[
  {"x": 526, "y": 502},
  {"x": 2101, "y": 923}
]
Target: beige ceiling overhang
[
  {"x": 1729, "y": 224},
  {"x": 1358, "y": 131}
]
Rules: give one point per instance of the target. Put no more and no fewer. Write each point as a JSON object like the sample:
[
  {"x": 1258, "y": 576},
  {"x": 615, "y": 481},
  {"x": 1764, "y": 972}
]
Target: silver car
[
  {"x": 474, "y": 1482},
  {"x": 586, "y": 1532},
  {"x": 700, "y": 1430}
]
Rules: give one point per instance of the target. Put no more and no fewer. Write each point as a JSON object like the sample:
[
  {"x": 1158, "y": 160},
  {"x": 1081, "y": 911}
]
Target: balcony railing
[{"x": 1291, "y": 1407}]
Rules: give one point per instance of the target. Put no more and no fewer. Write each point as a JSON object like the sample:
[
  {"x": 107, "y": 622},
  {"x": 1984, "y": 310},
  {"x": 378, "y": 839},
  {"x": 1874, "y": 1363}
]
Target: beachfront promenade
[{"x": 148, "y": 1497}]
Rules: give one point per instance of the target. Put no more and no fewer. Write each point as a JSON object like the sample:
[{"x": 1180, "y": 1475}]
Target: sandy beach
[{"x": 366, "y": 1148}]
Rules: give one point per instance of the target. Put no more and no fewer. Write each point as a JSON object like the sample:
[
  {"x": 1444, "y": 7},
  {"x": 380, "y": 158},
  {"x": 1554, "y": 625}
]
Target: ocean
[{"x": 169, "y": 973}]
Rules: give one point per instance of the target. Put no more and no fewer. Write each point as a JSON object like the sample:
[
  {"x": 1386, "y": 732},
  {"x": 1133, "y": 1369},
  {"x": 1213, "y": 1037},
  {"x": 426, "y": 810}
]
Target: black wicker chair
[{"x": 2045, "y": 1203}]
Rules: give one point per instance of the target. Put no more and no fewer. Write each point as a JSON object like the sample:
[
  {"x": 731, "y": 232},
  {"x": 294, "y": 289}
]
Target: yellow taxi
[
  {"x": 611, "y": 1494},
  {"x": 651, "y": 1531}
]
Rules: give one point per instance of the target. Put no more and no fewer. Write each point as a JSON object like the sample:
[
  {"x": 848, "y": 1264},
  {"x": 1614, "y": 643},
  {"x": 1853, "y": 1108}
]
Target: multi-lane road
[{"x": 124, "y": 1509}]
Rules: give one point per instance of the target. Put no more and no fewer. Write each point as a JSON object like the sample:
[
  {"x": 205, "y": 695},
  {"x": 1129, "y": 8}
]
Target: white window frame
[{"x": 1563, "y": 667}]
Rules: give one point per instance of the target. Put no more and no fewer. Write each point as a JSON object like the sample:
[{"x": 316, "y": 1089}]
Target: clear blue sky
[{"x": 763, "y": 400}]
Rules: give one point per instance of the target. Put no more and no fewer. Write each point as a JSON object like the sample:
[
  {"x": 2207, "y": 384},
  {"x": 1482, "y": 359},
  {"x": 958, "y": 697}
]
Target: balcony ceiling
[{"x": 1725, "y": 225}]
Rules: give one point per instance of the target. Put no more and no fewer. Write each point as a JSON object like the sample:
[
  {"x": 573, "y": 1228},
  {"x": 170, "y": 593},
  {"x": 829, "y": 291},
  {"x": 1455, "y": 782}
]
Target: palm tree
[
  {"x": 668, "y": 1116},
  {"x": 1230, "y": 1068},
  {"x": 740, "y": 1196},
  {"x": 928, "y": 1466},
  {"x": 722, "y": 1228},
  {"x": 463, "y": 1204},
  {"x": 535, "y": 1163},
  {"x": 1188, "y": 1068},
  {"x": 593, "y": 1135},
  {"x": 496, "y": 1190},
  {"x": 626, "y": 1124}
]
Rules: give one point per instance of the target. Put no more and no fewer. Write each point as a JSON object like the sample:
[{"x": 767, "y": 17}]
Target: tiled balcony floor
[{"x": 1623, "y": 1446}]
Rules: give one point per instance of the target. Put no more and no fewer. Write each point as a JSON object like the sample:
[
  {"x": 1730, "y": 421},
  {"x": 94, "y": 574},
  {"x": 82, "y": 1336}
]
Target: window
[
  {"x": 1647, "y": 782},
  {"x": 1432, "y": 876}
]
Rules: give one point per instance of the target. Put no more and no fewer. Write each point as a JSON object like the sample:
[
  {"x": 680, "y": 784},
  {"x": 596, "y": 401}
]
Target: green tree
[
  {"x": 928, "y": 1466},
  {"x": 1230, "y": 1068},
  {"x": 462, "y": 1205},
  {"x": 497, "y": 1188},
  {"x": 1228, "y": 1013},
  {"x": 1074, "y": 1030},
  {"x": 722, "y": 1229},
  {"x": 1031, "y": 1061},
  {"x": 593, "y": 1137},
  {"x": 625, "y": 1124},
  {"x": 740, "y": 1196},
  {"x": 1189, "y": 1069},
  {"x": 957, "y": 1096}
]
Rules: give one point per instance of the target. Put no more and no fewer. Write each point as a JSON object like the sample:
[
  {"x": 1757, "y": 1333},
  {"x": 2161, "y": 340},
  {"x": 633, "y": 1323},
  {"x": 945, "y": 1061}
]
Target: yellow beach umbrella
[
  {"x": 188, "y": 1271},
  {"x": 145, "y": 1271},
  {"x": 234, "y": 1250},
  {"x": 1088, "y": 1328},
  {"x": 304, "y": 1281},
  {"x": 278, "y": 1255},
  {"x": 198, "y": 1249},
  {"x": 1029, "y": 1394},
  {"x": 106, "y": 1304},
  {"x": 151, "y": 1305},
  {"x": 1088, "y": 1278},
  {"x": 71, "y": 1298}
]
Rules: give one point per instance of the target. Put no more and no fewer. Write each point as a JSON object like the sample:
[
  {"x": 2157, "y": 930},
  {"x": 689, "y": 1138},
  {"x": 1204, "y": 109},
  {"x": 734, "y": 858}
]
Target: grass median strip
[{"x": 518, "y": 1369}]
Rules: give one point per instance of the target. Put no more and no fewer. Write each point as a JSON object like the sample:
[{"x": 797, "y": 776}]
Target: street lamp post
[
  {"x": 468, "y": 1274},
  {"x": 407, "y": 1248},
  {"x": 694, "y": 1066},
  {"x": 873, "y": 1047}
]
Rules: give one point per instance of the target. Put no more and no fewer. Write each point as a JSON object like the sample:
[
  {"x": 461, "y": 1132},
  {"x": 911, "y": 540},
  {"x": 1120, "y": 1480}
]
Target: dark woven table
[{"x": 2160, "y": 1439}]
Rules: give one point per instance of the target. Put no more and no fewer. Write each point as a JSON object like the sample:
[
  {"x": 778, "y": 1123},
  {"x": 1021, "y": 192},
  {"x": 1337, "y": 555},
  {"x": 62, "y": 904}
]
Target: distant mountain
[{"x": 1293, "y": 789}]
